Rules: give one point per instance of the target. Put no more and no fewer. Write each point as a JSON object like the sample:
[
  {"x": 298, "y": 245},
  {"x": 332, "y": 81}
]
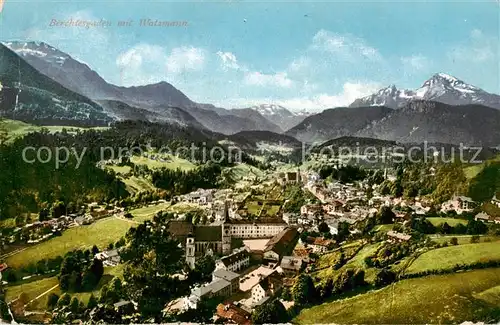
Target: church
[{"x": 199, "y": 240}]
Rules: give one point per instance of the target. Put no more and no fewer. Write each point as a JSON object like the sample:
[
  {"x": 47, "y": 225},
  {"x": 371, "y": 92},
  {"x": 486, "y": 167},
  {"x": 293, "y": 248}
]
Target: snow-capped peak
[
  {"x": 441, "y": 87},
  {"x": 38, "y": 49},
  {"x": 272, "y": 109}
]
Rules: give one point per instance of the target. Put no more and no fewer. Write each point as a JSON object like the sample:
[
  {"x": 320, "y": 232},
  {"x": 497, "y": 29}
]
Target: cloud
[
  {"x": 229, "y": 60},
  {"x": 345, "y": 46},
  {"x": 147, "y": 63},
  {"x": 133, "y": 58},
  {"x": 415, "y": 62},
  {"x": 183, "y": 59},
  {"x": 478, "y": 48},
  {"x": 261, "y": 79},
  {"x": 350, "y": 91},
  {"x": 299, "y": 64}
]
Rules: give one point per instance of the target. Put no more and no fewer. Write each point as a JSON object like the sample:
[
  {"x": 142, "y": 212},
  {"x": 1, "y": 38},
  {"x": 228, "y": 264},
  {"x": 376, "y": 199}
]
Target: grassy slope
[
  {"x": 433, "y": 299},
  {"x": 446, "y": 257},
  {"x": 35, "y": 288},
  {"x": 451, "y": 221},
  {"x": 100, "y": 233},
  {"x": 172, "y": 163},
  {"x": 18, "y": 129},
  {"x": 474, "y": 170}
]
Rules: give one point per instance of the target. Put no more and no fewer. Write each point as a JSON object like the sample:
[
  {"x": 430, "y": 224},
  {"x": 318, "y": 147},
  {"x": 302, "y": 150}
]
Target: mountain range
[
  {"x": 441, "y": 87},
  {"x": 158, "y": 102},
  {"x": 39, "y": 83}
]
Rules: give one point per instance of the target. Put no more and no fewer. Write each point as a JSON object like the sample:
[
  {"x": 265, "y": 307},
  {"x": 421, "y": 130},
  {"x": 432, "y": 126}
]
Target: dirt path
[{"x": 41, "y": 295}]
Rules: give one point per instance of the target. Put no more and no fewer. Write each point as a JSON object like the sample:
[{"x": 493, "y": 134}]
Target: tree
[
  {"x": 64, "y": 282},
  {"x": 203, "y": 269},
  {"x": 475, "y": 239},
  {"x": 92, "y": 302},
  {"x": 52, "y": 300},
  {"x": 151, "y": 257},
  {"x": 270, "y": 313},
  {"x": 4, "y": 310},
  {"x": 303, "y": 291},
  {"x": 74, "y": 305},
  {"x": 454, "y": 241},
  {"x": 385, "y": 277},
  {"x": 286, "y": 294},
  {"x": 64, "y": 300},
  {"x": 385, "y": 215},
  {"x": 323, "y": 227}
]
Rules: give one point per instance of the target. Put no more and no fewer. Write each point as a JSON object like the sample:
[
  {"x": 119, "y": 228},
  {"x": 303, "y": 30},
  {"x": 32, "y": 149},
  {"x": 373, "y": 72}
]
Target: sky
[{"x": 302, "y": 55}]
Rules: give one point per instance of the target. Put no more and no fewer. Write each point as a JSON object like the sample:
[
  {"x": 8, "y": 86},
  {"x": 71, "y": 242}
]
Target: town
[{"x": 263, "y": 241}]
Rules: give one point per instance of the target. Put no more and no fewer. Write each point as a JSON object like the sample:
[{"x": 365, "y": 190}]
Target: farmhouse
[
  {"x": 495, "y": 201},
  {"x": 459, "y": 204},
  {"x": 397, "y": 237},
  {"x": 484, "y": 217},
  {"x": 109, "y": 258}
]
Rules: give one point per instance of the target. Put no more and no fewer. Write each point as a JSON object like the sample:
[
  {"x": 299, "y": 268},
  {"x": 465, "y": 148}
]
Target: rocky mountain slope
[
  {"x": 280, "y": 116},
  {"x": 337, "y": 122},
  {"x": 28, "y": 95}
]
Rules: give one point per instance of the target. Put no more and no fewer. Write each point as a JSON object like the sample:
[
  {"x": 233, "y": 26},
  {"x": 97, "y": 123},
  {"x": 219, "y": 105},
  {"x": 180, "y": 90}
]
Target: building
[
  {"x": 261, "y": 228},
  {"x": 109, "y": 258},
  {"x": 224, "y": 284},
  {"x": 291, "y": 265},
  {"x": 495, "y": 201},
  {"x": 280, "y": 245},
  {"x": 311, "y": 209},
  {"x": 290, "y": 218},
  {"x": 232, "y": 313},
  {"x": 235, "y": 262},
  {"x": 318, "y": 244},
  {"x": 199, "y": 240},
  {"x": 248, "y": 281},
  {"x": 459, "y": 204},
  {"x": 397, "y": 237},
  {"x": 231, "y": 277},
  {"x": 266, "y": 288}
]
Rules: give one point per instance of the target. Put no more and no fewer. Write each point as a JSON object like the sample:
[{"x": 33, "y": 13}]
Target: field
[
  {"x": 17, "y": 129},
  {"x": 326, "y": 261},
  {"x": 447, "y": 257},
  {"x": 462, "y": 239},
  {"x": 120, "y": 169},
  {"x": 474, "y": 170},
  {"x": 137, "y": 184},
  {"x": 184, "y": 207},
  {"x": 450, "y": 221},
  {"x": 100, "y": 233},
  {"x": 451, "y": 298},
  {"x": 36, "y": 288},
  {"x": 172, "y": 162}
]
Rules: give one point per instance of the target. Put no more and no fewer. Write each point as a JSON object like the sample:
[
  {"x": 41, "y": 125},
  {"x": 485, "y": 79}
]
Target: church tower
[
  {"x": 190, "y": 251},
  {"x": 226, "y": 231}
]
